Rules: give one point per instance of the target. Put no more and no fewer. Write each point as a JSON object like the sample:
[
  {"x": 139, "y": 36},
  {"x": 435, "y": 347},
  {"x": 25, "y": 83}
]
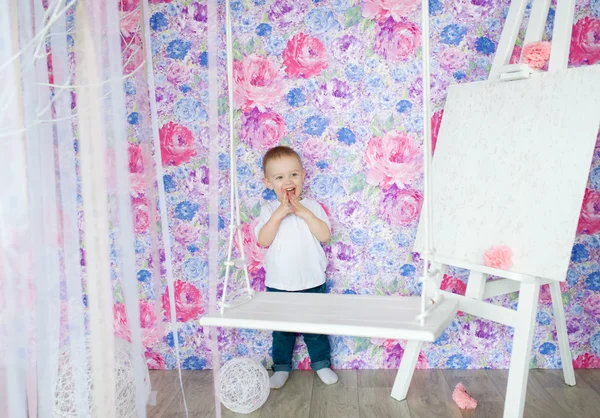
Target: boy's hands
[
  {"x": 284, "y": 209},
  {"x": 299, "y": 209}
]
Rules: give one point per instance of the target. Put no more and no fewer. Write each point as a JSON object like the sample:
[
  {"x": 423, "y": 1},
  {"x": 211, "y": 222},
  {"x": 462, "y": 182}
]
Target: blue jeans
[{"x": 317, "y": 344}]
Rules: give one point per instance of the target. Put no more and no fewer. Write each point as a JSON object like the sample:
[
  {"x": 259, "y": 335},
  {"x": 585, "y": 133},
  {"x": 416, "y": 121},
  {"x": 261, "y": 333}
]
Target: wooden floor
[{"x": 366, "y": 394}]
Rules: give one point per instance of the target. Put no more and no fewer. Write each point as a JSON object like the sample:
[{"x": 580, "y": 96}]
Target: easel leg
[
  {"x": 521, "y": 351},
  {"x": 406, "y": 369},
  {"x": 561, "y": 334}
]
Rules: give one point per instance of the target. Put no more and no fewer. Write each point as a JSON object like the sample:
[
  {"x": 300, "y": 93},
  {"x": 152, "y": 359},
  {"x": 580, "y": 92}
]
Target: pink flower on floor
[
  {"x": 258, "y": 83},
  {"x": 176, "y": 144},
  {"x": 178, "y": 73},
  {"x": 155, "y": 361},
  {"x": 185, "y": 233},
  {"x": 400, "y": 207},
  {"x": 304, "y": 56},
  {"x": 382, "y": 9},
  {"x": 140, "y": 215},
  {"x": 462, "y": 398},
  {"x": 499, "y": 257},
  {"x": 137, "y": 184},
  {"x": 436, "y": 122},
  {"x": 395, "y": 158},
  {"x": 255, "y": 254},
  {"x": 586, "y": 361},
  {"x": 135, "y": 159},
  {"x": 188, "y": 302},
  {"x": 589, "y": 219},
  {"x": 262, "y": 130},
  {"x": 453, "y": 285},
  {"x": 536, "y": 54},
  {"x": 397, "y": 41},
  {"x": 585, "y": 42},
  {"x": 304, "y": 364}
]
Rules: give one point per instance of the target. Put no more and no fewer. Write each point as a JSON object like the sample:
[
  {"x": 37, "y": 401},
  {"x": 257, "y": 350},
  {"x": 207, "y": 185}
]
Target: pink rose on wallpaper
[
  {"x": 133, "y": 55},
  {"x": 155, "y": 361},
  {"x": 255, "y": 254},
  {"x": 128, "y": 5},
  {"x": 589, "y": 219},
  {"x": 392, "y": 353},
  {"x": 304, "y": 56},
  {"x": 147, "y": 322},
  {"x": 130, "y": 22},
  {"x": 188, "y": 302},
  {"x": 498, "y": 257},
  {"x": 347, "y": 48},
  {"x": 262, "y": 130},
  {"x": 382, "y": 9},
  {"x": 258, "y": 82},
  {"x": 176, "y": 144},
  {"x": 335, "y": 94},
  {"x": 351, "y": 213},
  {"x": 400, "y": 207},
  {"x": 436, "y": 122},
  {"x": 395, "y": 158},
  {"x": 591, "y": 305},
  {"x": 515, "y": 58},
  {"x": 304, "y": 364},
  {"x": 453, "y": 284},
  {"x": 537, "y": 54},
  {"x": 586, "y": 361},
  {"x": 477, "y": 9},
  {"x": 178, "y": 73},
  {"x": 314, "y": 149},
  {"x": 545, "y": 297},
  {"x": 140, "y": 209},
  {"x": 137, "y": 184},
  {"x": 397, "y": 41},
  {"x": 585, "y": 42},
  {"x": 452, "y": 59},
  {"x": 185, "y": 233},
  {"x": 136, "y": 164}
]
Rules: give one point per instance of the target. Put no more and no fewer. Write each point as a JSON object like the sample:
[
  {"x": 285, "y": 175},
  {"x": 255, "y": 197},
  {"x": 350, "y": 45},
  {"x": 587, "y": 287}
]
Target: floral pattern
[{"x": 340, "y": 81}]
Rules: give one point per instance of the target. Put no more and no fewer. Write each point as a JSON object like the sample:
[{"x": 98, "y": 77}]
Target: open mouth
[{"x": 290, "y": 191}]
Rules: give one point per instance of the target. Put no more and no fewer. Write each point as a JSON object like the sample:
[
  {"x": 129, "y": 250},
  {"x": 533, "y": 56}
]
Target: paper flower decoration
[{"x": 498, "y": 257}]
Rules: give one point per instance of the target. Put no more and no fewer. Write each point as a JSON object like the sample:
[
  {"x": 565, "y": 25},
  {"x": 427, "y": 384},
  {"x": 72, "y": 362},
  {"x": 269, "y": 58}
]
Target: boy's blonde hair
[{"x": 279, "y": 152}]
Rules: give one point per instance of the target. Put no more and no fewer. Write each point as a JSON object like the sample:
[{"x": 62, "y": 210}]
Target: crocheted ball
[
  {"x": 244, "y": 385},
  {"x": 65, "y": 397}
]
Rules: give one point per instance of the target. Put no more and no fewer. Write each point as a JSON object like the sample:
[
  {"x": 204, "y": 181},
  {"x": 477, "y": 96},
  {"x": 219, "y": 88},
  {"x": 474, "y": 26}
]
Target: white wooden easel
[{"x": 478, "y": 288}]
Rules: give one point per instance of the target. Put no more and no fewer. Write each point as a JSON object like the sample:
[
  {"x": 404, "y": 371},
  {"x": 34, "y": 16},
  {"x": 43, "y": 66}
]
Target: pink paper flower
[
  {"x": 178, "y": 73},
  {"x": 462, "y": 398},
  {"x": 585, "y": 42},
  {"x": 185, "y": 233},
  {"x": 258, "y": 82},
  {"x": 176, "y": 144},
  {"x": 400, "y": 207},
  {"x": 397, "y": 41},
  {"x": 395, "y": 158},
  {"x": 262, "y": 130},
  {"x": 382, "y": 9},
  {"x": 255, "y": 254},
  {"x": 589, "y": 219},
  {"x": 155, "y": 361},
  {"x": 136, "y": 164},
  {"x": 304, "y": 56},
  {"x": 499, "y": 257},
  {"x": 536, "y": 54},
  {"x": 188, "y": 302},
  {"x": 140, "y": 215}
]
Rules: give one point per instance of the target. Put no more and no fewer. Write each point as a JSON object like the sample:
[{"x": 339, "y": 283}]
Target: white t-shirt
[{"x": 295, "y": 260}]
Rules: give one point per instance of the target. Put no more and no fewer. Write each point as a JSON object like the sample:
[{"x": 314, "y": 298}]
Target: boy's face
[{"x": 284, "y": 175}]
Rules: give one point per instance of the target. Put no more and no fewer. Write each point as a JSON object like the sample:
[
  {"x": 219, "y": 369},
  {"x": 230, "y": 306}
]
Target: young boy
[{"x": 293, "y": 228}]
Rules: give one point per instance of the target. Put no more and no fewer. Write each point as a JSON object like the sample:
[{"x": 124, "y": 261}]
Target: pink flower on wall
[
  {"x": 304, "y": 56},
  {"x": 515, "y": 58},
  {"x": 133, "y": 54},
  {"x": 136, "y": 164},
  {"x": 176, "y": 144},
  {"x": 314, "y": 149},
  {"x": 185, "y": 233},
  {"x": 537, "y": 54},
  {"x": 453, "y": 285},
  {"x": 452, "y": 59},
  {"x": 585, "y": 42},
  {"x": 394, "y": 158},
  {"x": 258, "y": 82},
  {"x": 589, "y": 220},
  {"x": 255, "y": 254},
  {"x": 545, "y": 297},
  {"x": 147, "y": 322},
  {"x": 262, "y": 130},
  {"x": 436, "y": 122},
  {"x": 178, "y": 73},
  {"x": 382, "y": 9},
  {"x": 400, "y": 207},
  {"x": 140, "y": 215},
  {"x": 498, "y": 257},
  {"x": 130, "y": 22},
  {"x": 397, "y": 41},
  {"x": 155, "y": 361},
  {"x": 188, "y": 302},
  {"x": 137, "y": 184},
  {"x": 586, "y": 361},
  {"x": 128, "y": 5},
  {"x": 591, "y": 304}
]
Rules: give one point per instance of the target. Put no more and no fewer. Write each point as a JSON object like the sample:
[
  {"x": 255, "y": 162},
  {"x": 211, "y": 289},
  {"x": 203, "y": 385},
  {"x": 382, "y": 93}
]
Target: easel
[{"x": 478, "y": 287}]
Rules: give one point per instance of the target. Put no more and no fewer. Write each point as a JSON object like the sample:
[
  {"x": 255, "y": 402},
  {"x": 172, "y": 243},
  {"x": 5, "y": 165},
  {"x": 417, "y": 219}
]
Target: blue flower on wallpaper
[
  {"x": 547, "y": 349},
  {"x": 346, "y": 136},
  {"x": 264, "y": 29},
  {"x": 435, "y": 7},
  {"x": 367, "y": 105},
  {"x": 246, "y": 25},
  {"x": 296, "y": 97},
  {"x": 595, "y": 343},
  {"x": 595, "y": 5},
  {"x": 171, "y": 341},
  {"x": 340, "y": 5},
  {"x": 398, "y": 75},
  {"x": 172, "y": 10},
  {"x": 259, "y": 2},
  {"x": 579, "y": 253},
  {"x": 139, "y": 246},
  {"x": 244, "y": 170},
  {"x": 408, "y": 270},
  {"x": 186, "y": 210},
  {"x": 322, "y": 164},
  {"x": 593, "y": 281},
  {"x": 359, "y": 237},
  {"x": 453, "y": 34},
  {"x": 572, "y": 277},
  {"x": 237, "y": 8},
  {"x": 577, "y": 310},
  {"x": 390, "y": 265},
  {"x": 354, "y": 72},
  {"x": 203, "y": 59},
  {"x": 326, "y": 187},
  {"x": 379, "y": 248},
  {"x": 189, "y": 109},
  {"x": 442, "y": 339},
  {"x": 485, "y": 45},
  {"x": 593, "y": 241},
  {"x": 269, "y": 194},
  {"x": 275, "y": 45},
  {"x": 241, "y": 349},
  {"x": 315, "y": 125},
  {"x": 458, "y": 361},
  {"x": 194, "y": 363},
  {"x": 403, "y": 106},
  {"x": 143, "y": 276},
  {"x": 372, "y": 269},
  {"x": 195, "y": 268},
  {"x": 375, "y": 83},
  {"x": 133, "y": 118},
  {"x": 595, "y": 176},
  {"x": 459, "y": 75},
  {"x": 402, "y": 240},
  {"x": 158, "y": 22},
  {"x": 129, "y": 88},
  {"x": 290, "y": 121},
  {"x": 169, "y": 183},
  {"x": 321, "y": 20},
  {"x": 349, "y": 292},
  {"x": 543, "y": 318},
  {"x": 223, "y": 161},
  {"x": 415, "y": 123},
  {"x": 184, "y": 88},
  {"x": 178, "y": 49}
]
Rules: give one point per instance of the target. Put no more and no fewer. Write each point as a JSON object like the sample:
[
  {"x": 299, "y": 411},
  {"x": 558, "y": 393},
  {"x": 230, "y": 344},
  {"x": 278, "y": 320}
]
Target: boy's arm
[
  {"x": 269, "y": 230},
  {"x": 318, "y": 228}
]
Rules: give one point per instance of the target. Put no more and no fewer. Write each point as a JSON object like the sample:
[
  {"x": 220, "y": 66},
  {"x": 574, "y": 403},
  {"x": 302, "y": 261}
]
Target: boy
[{"x": 293, "y": 229}]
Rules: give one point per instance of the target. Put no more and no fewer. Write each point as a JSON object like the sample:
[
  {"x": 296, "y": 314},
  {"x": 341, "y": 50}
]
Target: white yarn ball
[
  {"x": 244, "y": 385},
  {"x": 65, "y": 398}
]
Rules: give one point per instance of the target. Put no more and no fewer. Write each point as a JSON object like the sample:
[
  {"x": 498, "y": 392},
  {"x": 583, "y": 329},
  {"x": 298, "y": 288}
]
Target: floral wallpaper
[{"x": 340, "y": 81}]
